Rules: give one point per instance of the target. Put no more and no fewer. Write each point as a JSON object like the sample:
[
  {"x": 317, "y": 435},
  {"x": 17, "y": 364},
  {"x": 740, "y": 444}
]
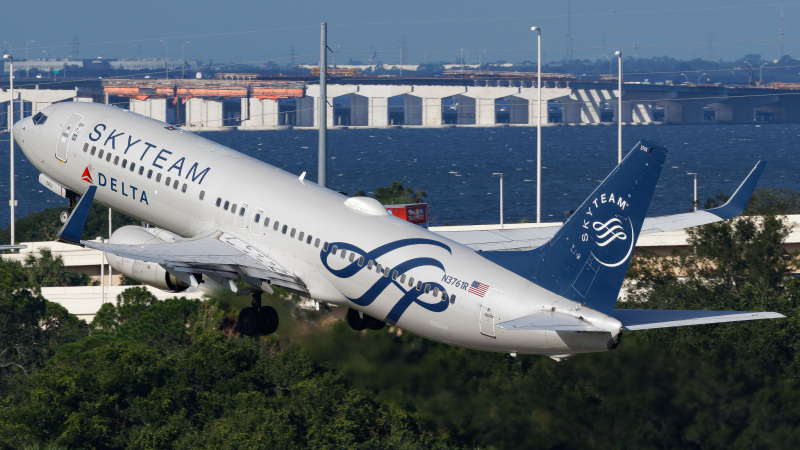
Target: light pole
[
  {"x": 619, "y": 109},
  {"x": 27, "y": 60},
  {"x": 166, "y": 67},
  {"x": 47, "y": 61},
  {"x": 11, "y": 202},
  {"x": 694, "y": 174},
  {"x": 501, "y": 197},
  {"x": 538, "y": 123},
  {"x": 183, "y": 64},
  {"x": 701, "y": 76},
  {"x": 687, "y": 78},
  {"x": 760, "y": 73}
]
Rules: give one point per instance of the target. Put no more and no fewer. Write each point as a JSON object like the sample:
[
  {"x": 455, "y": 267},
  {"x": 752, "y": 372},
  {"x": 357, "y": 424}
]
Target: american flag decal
[{"x": 478, "y": 288}]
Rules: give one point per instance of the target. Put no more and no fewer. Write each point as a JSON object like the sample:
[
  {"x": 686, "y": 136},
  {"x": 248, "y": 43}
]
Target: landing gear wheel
[
  {"x": 355, "y": 320},
  {"x": 65, "y": 213},
  {"x": 269, "y": 319},
  {"x": 249, "y": 322}
]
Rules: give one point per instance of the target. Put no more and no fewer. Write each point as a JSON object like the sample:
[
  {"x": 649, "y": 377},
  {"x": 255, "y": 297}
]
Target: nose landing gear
[
  {"x": 65, "y": 213},
  {"x": 257, "y": 319}
]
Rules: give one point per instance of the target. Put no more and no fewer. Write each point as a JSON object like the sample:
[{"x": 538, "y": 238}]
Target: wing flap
[{"x": 646, "y": 319}]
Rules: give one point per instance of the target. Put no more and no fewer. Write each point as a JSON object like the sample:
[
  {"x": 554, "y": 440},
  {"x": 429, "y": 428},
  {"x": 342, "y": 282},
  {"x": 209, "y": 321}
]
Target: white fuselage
[{"x": 207, "y": 181}]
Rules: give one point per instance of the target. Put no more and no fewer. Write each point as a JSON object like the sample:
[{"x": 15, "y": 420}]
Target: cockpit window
[{"x": 39, "y": 119}]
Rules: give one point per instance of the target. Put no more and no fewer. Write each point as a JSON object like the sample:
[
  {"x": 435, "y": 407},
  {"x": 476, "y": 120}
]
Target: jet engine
[{"x": 146, "y": 272}]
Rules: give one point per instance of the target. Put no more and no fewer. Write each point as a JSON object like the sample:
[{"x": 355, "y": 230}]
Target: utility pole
[{"x": 322, "y": 164}]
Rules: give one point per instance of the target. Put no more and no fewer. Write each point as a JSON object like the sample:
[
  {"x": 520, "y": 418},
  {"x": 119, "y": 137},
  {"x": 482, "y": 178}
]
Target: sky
[{"x": 431, "y": 31}]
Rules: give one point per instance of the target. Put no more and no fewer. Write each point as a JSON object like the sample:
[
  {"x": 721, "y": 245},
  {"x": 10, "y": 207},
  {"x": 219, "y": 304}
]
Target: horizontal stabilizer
[
  {"x": 547, "y": 320},
  {"x": 645, "y": 319}
]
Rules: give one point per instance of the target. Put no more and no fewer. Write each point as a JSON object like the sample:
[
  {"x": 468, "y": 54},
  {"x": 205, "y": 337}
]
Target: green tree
[
  {"x": 396, "y": 194},
  {"x": 47, "y": 271}
]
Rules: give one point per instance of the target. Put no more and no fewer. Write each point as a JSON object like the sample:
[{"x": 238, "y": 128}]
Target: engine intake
[{"x": 144, "y": 271}]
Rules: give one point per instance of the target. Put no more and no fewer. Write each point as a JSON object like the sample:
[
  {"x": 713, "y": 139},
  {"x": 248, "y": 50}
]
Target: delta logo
[{"x": 87, "y": 176}]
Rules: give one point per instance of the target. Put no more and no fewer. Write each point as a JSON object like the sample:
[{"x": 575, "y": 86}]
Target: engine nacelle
[{"x": 146, "y": 272}]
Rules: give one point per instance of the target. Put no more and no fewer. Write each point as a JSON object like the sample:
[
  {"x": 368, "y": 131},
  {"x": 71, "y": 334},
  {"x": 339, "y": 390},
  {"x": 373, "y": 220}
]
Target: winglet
[
  {"x": 72, "y": 230},
  {"x": 738, "y": 201}
]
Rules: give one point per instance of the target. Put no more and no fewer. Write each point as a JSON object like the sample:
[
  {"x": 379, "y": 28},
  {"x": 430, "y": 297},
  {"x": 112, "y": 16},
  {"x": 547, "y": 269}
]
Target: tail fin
[{"x": 587, "y": 259}]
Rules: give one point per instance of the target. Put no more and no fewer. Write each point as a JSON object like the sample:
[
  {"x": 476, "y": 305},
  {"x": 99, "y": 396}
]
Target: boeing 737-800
[{"x": 219, "y": 215}]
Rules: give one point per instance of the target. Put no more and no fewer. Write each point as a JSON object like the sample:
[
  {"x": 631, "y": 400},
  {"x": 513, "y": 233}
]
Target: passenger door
[{"x": 69, "y": 133}]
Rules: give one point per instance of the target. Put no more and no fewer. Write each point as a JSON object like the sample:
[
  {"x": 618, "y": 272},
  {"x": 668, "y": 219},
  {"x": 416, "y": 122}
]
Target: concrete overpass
[{"x": 250, "y": 104}]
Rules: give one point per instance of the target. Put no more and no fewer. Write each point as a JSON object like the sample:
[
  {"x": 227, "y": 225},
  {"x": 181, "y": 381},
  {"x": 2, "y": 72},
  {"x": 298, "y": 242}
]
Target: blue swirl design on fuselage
[{"x": 410, "y": 296}]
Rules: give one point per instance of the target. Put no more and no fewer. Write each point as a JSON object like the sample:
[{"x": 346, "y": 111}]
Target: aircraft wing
[
  {"x": 217, "y": 254},
  {"x": 529, "y": 238}
]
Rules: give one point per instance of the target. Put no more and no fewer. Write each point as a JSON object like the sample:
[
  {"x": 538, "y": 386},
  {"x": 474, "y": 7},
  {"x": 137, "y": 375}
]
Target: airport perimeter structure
[{"x": 246, "y": 102}]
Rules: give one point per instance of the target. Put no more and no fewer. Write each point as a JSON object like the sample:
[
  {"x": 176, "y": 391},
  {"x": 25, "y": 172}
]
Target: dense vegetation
[{"x": 147, "y": 373}]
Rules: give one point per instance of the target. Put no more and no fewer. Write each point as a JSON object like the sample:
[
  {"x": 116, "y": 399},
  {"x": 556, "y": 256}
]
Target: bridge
[{"x": 249, "y": 103}]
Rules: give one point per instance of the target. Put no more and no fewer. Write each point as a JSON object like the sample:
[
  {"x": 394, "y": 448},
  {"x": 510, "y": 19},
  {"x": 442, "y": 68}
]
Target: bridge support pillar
[
  {"x": 155, "y": 108},
  {"x": 202, "y": 113},
  {"x": 260, "y": 113},
  {"x": 683, "y": 111}
]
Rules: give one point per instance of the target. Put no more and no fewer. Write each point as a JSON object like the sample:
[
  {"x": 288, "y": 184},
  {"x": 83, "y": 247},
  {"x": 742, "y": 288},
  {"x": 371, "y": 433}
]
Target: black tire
[
  {"x": 269, "y": 319},
  {"x": 63, "y": 216},
  {"x": 374, "y": 324},
  {"x": 355, "y": 321},
  {"x": 249, "y": 322}
]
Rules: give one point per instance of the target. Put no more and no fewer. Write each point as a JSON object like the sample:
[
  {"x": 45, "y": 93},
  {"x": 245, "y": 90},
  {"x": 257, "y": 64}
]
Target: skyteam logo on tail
[{"x": 607, "y": 224}]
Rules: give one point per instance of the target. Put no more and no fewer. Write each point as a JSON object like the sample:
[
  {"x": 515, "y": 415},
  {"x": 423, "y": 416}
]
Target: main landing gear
[
  {"x": 360, "y": 321},
  {"x": 65, "y": 213},
  {"x": 258, "y": 319}
]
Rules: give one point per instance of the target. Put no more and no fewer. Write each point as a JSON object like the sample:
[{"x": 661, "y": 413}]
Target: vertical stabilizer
[{"x": 587, "y": 259}]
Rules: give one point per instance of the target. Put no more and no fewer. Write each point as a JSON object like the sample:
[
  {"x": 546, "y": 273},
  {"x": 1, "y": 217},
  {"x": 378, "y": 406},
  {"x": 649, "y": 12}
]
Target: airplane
[{"x": 220, "y": 216}]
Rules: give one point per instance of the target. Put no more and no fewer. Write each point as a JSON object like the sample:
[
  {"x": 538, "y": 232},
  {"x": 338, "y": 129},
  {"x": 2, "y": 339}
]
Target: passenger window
[
  {"x": 452, "y": 298},
  {"x": 386, "y": 272},
  {"x": 369, "y": 265},
  {"x": 167, "y": 181},
  {"x": 100, "y": 153},
  {"x": 427, "y": 288},
  {"x": 402, "y": 278},
  {"x": 343, "y": 253},
  {"x": 183, "y": 188},
  {"x": 133, "y": 166},
  {"x": 300, "y": 236},
  {"x": 419, "y": 285},
  {"x": 116, "y": 160},
  {"x": 378, "y": 267},
  {"x": 85, "y": 146},
  {"x": 276, "y": 226},
  {"x": 361, "y": 261},
  {"x": 242, "y": 211},
  {"x": 325, "y": 247},
  {"x": 285, "y": 227},
  {"x": 150, "y": 173},
  {"x": 308, "y": 239},
  {"x": 257, "y": 218},
  {"x": 436, "y": 292},
  {"x": 444, "y": 296},
  {"x": 395, "y": 275},
  {"x": 124, "y": 163},
  {"x": 227, "y": 203},
  {"x": 266, "y": 222},
  {"x": 158, "y": 178},
  {"x": 108, "y": 157},
  {"x": 141, "y": 170},
  {"x": 219, "y": 201},
  {"x": 411, "y": 282},
  {"x": 174, "y": 184},
  {"x": 333, "y": 250},
  {"x": 202, "y": 194},
  {"x": 316, "y": 243},
  {"x": 292, "y": 233},
  {"x": 233, "y": 208},
  {"x": 94, "y": 149},
  {"x": 352, "y": 257}
]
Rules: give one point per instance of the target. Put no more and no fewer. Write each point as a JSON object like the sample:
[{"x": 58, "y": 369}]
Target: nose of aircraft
[{"x": 20, "y": 127}]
